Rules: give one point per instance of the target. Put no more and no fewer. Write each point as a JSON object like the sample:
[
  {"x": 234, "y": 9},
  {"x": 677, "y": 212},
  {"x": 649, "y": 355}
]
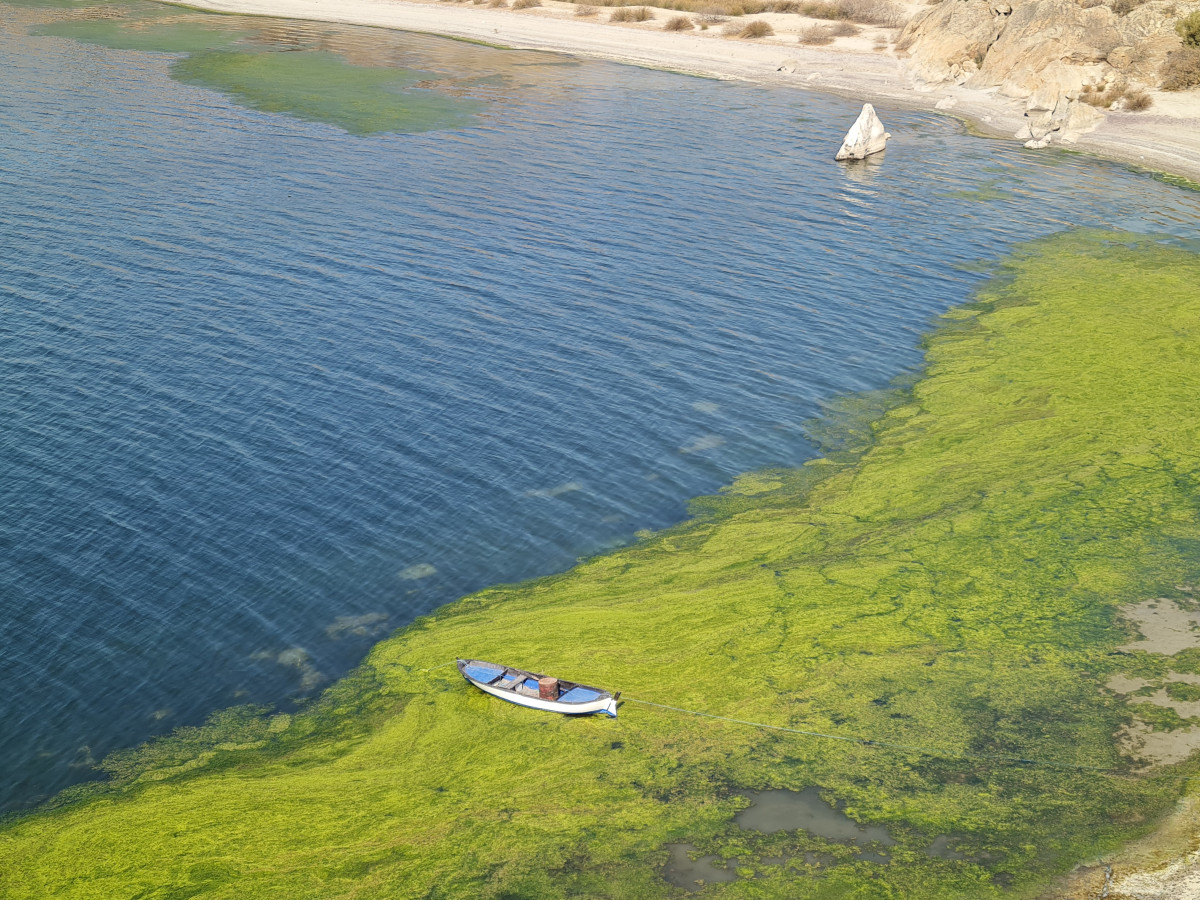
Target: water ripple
[{"x": 262, "y": 377}]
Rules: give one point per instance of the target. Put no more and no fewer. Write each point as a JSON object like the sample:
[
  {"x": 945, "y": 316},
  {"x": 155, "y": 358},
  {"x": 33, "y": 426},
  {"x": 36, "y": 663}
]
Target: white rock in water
[{"x": 866, "y": 136}]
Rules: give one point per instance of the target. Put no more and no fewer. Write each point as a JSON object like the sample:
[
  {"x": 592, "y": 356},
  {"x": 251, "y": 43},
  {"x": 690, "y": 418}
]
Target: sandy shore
[{"x": 862, "y": 67}]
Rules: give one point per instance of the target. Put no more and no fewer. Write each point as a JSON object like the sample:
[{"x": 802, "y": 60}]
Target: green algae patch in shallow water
[
  {"x": 241, "y": 59},
  {"x": 321, "y": 87},
  {"x": 950, "y": 575},
  {"x": 141, "y": 34}
]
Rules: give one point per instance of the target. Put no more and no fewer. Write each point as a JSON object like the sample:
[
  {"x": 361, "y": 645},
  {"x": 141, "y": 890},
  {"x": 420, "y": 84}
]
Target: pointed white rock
[{"x": 866, "y": 136}]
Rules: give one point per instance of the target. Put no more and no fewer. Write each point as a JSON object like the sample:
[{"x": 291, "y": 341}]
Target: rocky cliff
[{"x": 1059, "y": 56}]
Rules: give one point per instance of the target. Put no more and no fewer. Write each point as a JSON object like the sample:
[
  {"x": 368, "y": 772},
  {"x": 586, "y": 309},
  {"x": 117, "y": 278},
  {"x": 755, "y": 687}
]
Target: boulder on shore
[{"x": 866, "y": 136}]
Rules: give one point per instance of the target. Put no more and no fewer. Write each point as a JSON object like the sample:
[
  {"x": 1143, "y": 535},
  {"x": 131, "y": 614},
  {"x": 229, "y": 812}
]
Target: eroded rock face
[
  {"x": 950, "y": 40},
  {"x": 1045, "y": 44},
  {"x": 1045, "y": 48},
  {"x": 1063, "y": 121},
  {"x": 865, "y": 137}
]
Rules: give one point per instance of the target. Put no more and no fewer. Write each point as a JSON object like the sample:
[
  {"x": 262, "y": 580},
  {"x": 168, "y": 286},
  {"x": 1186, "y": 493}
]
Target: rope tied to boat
[
  {"x": 895, "y": 745},
  {"x": 915, "y": 748}
]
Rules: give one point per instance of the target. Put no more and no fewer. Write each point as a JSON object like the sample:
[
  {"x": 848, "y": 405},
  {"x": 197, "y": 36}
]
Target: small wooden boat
[{"x": 538, "y": 691}]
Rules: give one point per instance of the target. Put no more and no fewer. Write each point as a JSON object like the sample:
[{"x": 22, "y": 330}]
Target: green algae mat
[
  {"x": 951, "y": 576},
  {"x": 279, "y": 71}
]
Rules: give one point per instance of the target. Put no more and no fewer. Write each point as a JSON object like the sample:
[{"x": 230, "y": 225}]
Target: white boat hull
[
  {"x": 605, "y": 705},
  {"x": 524, "y": 689}
]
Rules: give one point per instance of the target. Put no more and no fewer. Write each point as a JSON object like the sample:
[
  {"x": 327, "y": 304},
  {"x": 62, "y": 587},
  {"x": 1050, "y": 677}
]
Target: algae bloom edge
[{"x": 952, "y": 569}]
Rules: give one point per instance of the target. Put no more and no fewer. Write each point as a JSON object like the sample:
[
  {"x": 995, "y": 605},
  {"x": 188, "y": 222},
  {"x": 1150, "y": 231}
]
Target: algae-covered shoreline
[{"x": 951, "y": 573}]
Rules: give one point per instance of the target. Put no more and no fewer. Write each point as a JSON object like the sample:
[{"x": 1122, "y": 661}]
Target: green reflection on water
[
  {"x": 320, "y": 87},
  {"x": 361, "y": 80},
  {"x": 48, "y": 4},
  {"x": 138, "y": 34}
]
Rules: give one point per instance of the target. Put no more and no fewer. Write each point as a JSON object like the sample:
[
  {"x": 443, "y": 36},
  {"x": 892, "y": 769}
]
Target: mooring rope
[
  {"x": 915, "y": 748},
  {"x": 894, "y": 745}
]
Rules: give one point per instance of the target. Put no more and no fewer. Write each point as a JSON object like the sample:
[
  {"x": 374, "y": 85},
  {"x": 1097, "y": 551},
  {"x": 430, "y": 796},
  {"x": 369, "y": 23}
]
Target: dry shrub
[
  {"x": 866, "y": 12},
  {"x": 1181, "y": 70},
  {"x": 526, "y": 4},
  {"x": 631, "y": 14},
  {"x": 678, "y": 23},
  {"x": 816, "y": 35},
  {"x": 1188, "y": 29},
  {"x": 498, "y": 4},
  {"x": 1125, "y": 7},
  {"x": 1138, "y": 101},
  {"x": 737, "y": 7},
  {"x": 585, "y": 11},
  {"x": 756, "y": 29},
  {"x": 845, "y": 29},
  {"x": 1102, "y": 96}
]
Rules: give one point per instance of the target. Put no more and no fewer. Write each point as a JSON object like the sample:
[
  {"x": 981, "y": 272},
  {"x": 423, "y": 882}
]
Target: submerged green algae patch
[
  {"x": 951, "y": 577},
  {"x": 275, "y": 68},
  {"x": 126, "y": 34},
  {"x": 321, "y": 87}
]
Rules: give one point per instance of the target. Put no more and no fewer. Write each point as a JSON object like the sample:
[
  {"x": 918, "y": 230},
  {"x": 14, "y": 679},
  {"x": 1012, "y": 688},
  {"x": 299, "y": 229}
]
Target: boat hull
[{"x": 604, "y": 702}]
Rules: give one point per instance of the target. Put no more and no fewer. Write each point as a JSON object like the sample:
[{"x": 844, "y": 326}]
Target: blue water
[{"x": 270, "y": 390}]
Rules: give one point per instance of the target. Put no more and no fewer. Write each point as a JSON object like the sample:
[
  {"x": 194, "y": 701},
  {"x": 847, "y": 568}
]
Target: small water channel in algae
[{"x": 780, "y": 810}]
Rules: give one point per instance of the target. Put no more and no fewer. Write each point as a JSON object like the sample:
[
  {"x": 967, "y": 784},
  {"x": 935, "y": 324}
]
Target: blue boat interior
[
  {"x": 578, "y": 695},
  {"x": 485, "y": 674},
  {"x": 491, "y": 674}
]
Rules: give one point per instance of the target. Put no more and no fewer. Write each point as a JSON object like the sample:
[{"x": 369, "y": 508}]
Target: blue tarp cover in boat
[
  {"x": 578, "y": 695},
  {"x": 486, "y": 674}
]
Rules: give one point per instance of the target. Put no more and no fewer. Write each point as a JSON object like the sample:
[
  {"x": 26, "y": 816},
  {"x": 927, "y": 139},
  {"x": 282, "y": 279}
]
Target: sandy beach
[{"x": 863, "y": 67}]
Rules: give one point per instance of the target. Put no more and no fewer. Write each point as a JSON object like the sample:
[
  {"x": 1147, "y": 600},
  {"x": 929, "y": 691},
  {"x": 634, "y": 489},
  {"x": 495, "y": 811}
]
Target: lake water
[{"x": 296, "y": 346}]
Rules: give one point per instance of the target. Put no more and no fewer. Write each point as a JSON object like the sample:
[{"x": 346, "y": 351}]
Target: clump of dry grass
[
  {"x": 867, "y": 12},
  {"x": 1181, "y": 70},
  {"x": 1103, "y": 96},
  {"x": 585, "y": 11},
  {"x": 498, "y": 4},
  {"x": 1125, "y": 7},
  {"x": 1138, "y": 101},
  {"x": 816, "y": 35},
  {"x": 631, "y": 14},
  {"x": 526, "y": 4},
  {"x": 756, "y": 29},
  {"x": 1117, "y": 95},
  {"x": 845, "y": 29},
  {"x": 678, "y": 23}
]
